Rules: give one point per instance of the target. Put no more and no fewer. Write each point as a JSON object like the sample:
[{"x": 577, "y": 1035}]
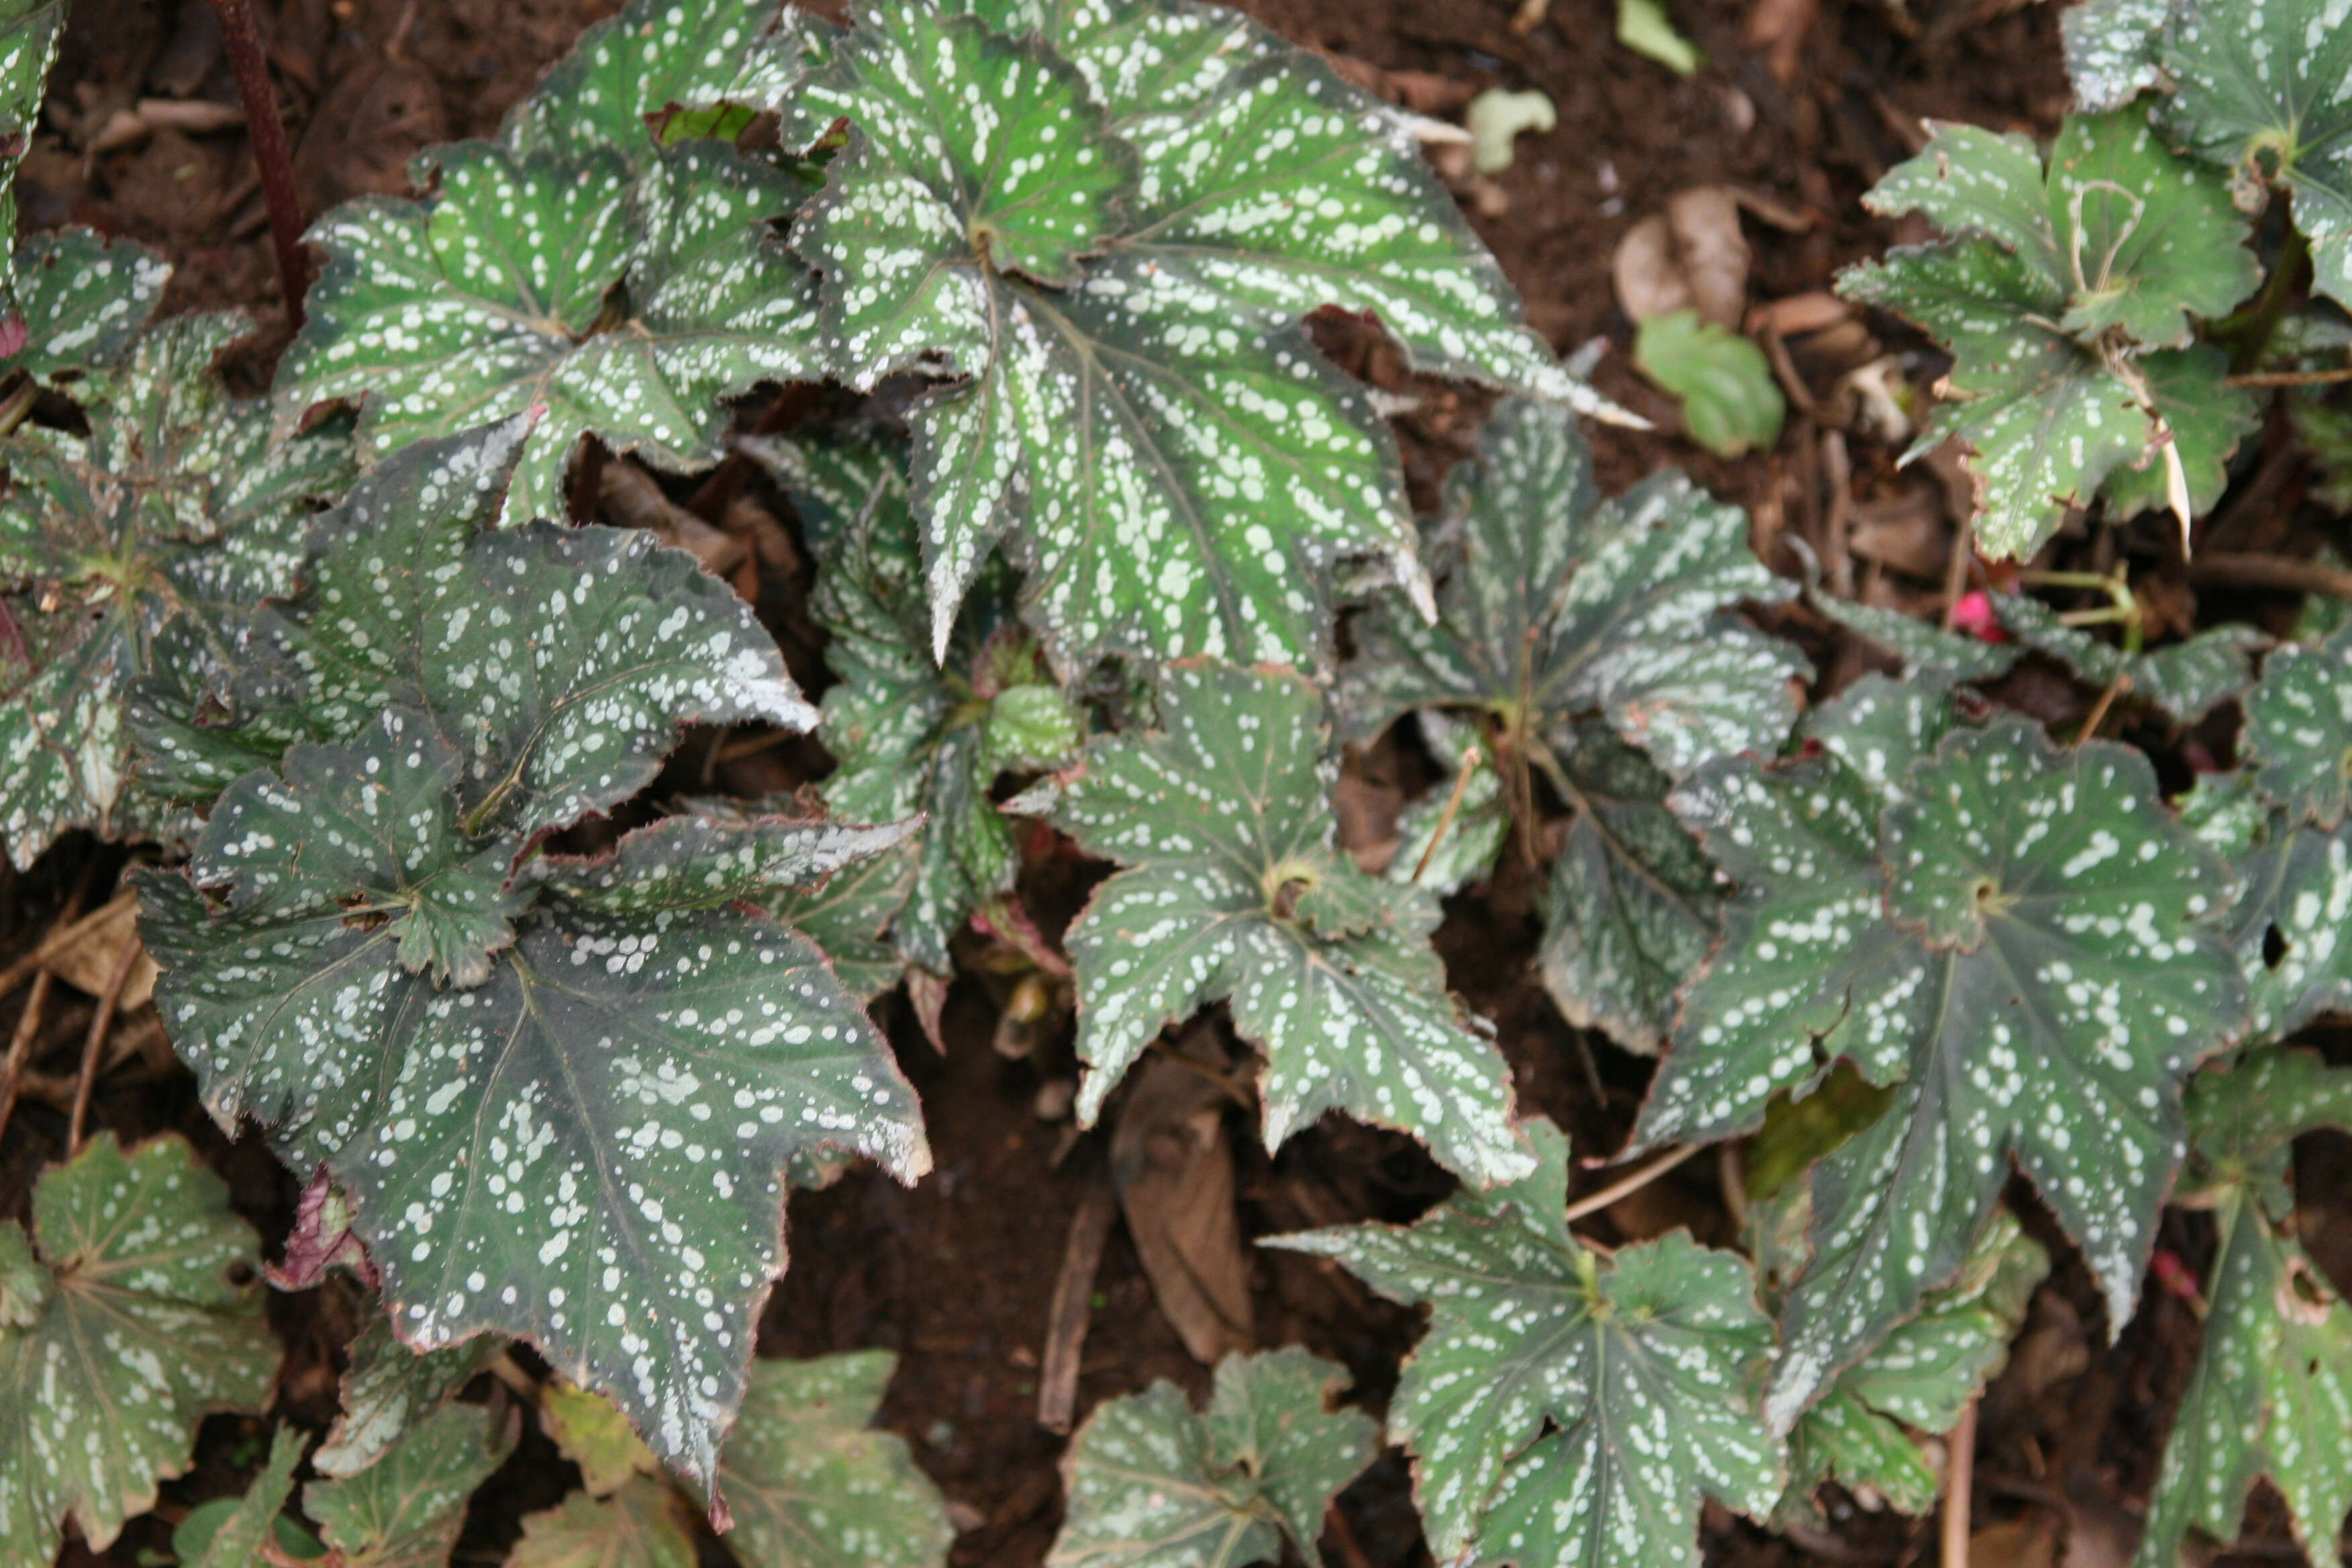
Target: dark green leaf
[
  {"x": 2187, "y": 679},
  {"x": 83, "y": 298},
  {"x": 640, "y": 1526},
  {"x": 405, "y": 1509}
]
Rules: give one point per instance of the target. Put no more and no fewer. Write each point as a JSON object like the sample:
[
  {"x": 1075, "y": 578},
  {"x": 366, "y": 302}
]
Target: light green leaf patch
[
  {"x": 132, "y": 1311},
  {"x": 1154, "y": 1484},
  {"x": 1235, "y": 891},
  {"x": 1730, "y": 402},
  {"x": 232, "y": 1533},
  {"x": 642, "y": 1525},
  {"x": 388, "y": 1388}
]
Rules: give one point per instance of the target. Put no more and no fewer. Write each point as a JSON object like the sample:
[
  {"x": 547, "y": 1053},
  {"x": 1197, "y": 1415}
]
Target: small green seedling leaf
[
  {"x": 594, "y": 1435},
  {"x": 1561, "y": 1410},
  {"x": 171, "y": 516},
  {"x": 1235, "y": 891},
  {"x": 133, "y": 1310},
  {"x": 1153, "y": 1484},
  {"x": 642, "y": 1525},
  {"x": 813, "y": 1485},
  {"x": 235, "y": 1532},
  {"x": 913, "y": 735},
  {"x": 405, "y": 1509},
  {"x": 2052, "y": 293},
  {"x": 1730, "y": 402},
  {"x": 1498, "y": 118},
  {"x": 84, "y": 298},
  {"x": 1643, "y": 28},
  {"x": 2019, "y": 939},
  {"x": 494, "y": 297},
  {"x": 1117, "y": 256},
  {"x": 2186, "y": 679},
  {"x": 388, "y": 1388}
]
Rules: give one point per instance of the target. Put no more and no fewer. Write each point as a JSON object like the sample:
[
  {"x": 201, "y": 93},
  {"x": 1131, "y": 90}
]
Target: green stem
[{"x": 2248, "y": 331}]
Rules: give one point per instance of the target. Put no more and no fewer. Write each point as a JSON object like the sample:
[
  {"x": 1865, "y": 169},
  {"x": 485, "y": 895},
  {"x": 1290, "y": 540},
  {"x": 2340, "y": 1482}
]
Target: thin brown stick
[
  {"x": 1470, "y": 758},
  {"x": 2284, "y": 573},
  {"x": 1335, "y": 1525},
  {"x": 2341, "y": 373},
  {"x": 2115, "y": 687},
  {"x": 101, "y": 1022},
  {"x": 1955, "y": 571},
  {"x": 1642, "y": 1178},
  {"x": 1959, "y": 1482},
  {"x": 241, "y": 40},
  {"x": 1066, "y": 1324},
  {"x": 29, "y": 1022},
  {"x": 58, "y": 941}
]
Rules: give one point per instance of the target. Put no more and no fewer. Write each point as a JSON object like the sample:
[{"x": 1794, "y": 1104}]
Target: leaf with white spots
[
  {"x": 405, "y": 1509},
  {"x": 627, "y": 306},
  {"x": 29, "y": 31},
  {"x": 657, "y": 55},
  {"x": 2299, "y": 730},
  {"x": 1154, "y": 1484},
  {"x": 911, "y": 734},
  {"x": 161, "y": 525},
  {"x": 2111, "y": 48},
  {"x": 1480, "y": 825},
  {"x": 83, "y": 298},
  {"x": 2272, "y": 1394},
  {"x": 388, "y": 1388},
  {"x": 701, "y": 863},
  {"x": 814, "y": 1486},
  {"x": 1235, "y": 892},
  {"x": 2022, "y": 940},
  {"x": 1927, "y": 651},
  {"x": 2257, "y": 88},
  {"x": 2205, "y": 420},
  {"x": 641, "y": 1525},
  {"x": 2050, "y": 294},
  {"x": 1112, "y": 220},
  {"x": 2187, "y": 679},
  {"x": 135, "y": 1311},
  {"x": 1561, "y": 1409},
  {"x": 848, "y": 916}
]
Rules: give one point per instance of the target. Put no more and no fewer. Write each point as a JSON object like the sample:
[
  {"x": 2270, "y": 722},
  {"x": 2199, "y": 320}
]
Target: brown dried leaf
[{"x": 1174, "y": 1171}]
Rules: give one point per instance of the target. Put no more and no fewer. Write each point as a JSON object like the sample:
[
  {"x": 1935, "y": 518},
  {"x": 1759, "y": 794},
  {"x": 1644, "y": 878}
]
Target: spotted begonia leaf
[
  {"x": 29, "y": 31},
  {"x": 388, "y": 1388},
  {"x": 1481, "y": 820},
  {"x": 148, "y": 1316},
  {"x": 2052, "y": 293},
  {"x": 657, "y": 55},
  {"x": 237, "y": 1538},
  {"x": 166, "y": 518},
  {"x": 848, "y": 915},
  {"x": 2205, "y": 418},
  {"x": 1923, "y": 1377},
  {"x": 2110, "y": 50},
  {"x": 1927, "y": 651},
  {"x": 405, "y": 1509},
  {"x": 2257, "y": 90},
  {"x": 2187, "y": 679},
  {"x": 2299, "y": 730},
  {"x": 814, "y": 1486},
  {"x": 2021, "y": 941},
  {"x": 639, "y": 1526},
  {"x": 84, "y": 298},
  {"x": 1561, "y": 1409},
  {"x": 912, "y": 734},
  {"x": 2272, "y": 1394},
  {"x": 1154, "y": 1484},
  {"x": 1112, "y": 220},
  {"x": 497, "y": 295},
  {"x": 1235, "y": 891}
]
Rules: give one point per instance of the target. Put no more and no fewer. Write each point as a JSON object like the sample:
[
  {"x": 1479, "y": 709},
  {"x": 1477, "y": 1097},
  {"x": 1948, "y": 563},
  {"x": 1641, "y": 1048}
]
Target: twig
[
  {"x": 1066, "y": 1324},
  {"x": 1335, "y": 1524},
  {"x": 2115, "y": 687},
  {"x": 1470, "y": 758},
  {"x": 29, "y": 1022},
  {"x": 100, "y": 1022},
  {"x": 2328, "y": 377},
  {"x": 242, "y": 42},
  {"x": 1959, "y": 1482},
  {"x": 1633, "y": 1184},
  {"x": 2282, "y": 571},
  {"x": 35, "y": 962},
  {"x": 1956, "y": 570}
]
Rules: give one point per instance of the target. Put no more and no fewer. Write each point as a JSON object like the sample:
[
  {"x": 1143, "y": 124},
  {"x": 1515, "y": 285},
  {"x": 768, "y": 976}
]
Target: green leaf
[
  {"x": 1152, "y": 1484},
  {"x": 1730, "y": 402},
  {"x": 1235, "y": 892},
  {"x": 1643, "y": 26},
  {"x": 657, "y": 55},
  {"x": 2186, "y": 679},
  {"x": 1644, "y": 1370},
  {"x": 2244, "y": 1120},
  {"x": 28, "y": 45},
  {"x": 150, "y": 1317},
  {"x": 813, "y": 1487},
  {"x": 388, "y": 1388},
  {"x": 84, "y": 298},
  {"x": 2254, "y": 90},
  {"x": 405, "y": 1509},
  {"x": 594, "y": 1435},
  {"x": 2205, "y": 418},
  {"x": 1482, "y": 821},
  {"x": 911, "y": 733},
  {"x": 847, "y": 916},
  {"x": 167, "y": 518},
  {"x": 685, "y": 863},
  {"x": 489, "y": 299},
  {"x": 2111, "y": 47},
  {"x": 1928, "y": 652},
  {"x": 2299, "y": 731},
  {"x": 1112, "y": 225},
  {"x": 2020, "y": 940},
  {"x": 236, "y": 1537},
  {"x": 637, "y": 1527},
  {"x": 2049, "y": 294}
]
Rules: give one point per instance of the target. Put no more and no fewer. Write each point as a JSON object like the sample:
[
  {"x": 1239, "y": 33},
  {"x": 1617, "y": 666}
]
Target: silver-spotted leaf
[
  {"x": 1481, "y": 820},
  {"x": 405, "y": 1509},
  {"x": 1154, "y": 1484},
  {"x": 813, "y": 1485},
  {"x": 1561, "y": 1410},
  {"x": 83, "y": 298},
  {"x": 1112, "y": 220},
  {"x": 235, "y": 1532},
  {"x": 1928, "y": 652},
  {"x": 2187, "y": 679},
  {"x": 848, "y": 916},
  {"x": 493, "y": 296},
  {"x": 641, "y": 1525},
  {"x": 2299, "y": 730},
  {"x": 2111, "y": 48},
  {"x": 388, "y": 1388},
  {"x": 148, "y": 1318},
  {"x": 2020, "y": 940},
  {"x": 699, "y": 863},
  {"x": 157, "y": 527},
  {"x": 1235, "y": 891},
  {"x": 29, "y": 31}
]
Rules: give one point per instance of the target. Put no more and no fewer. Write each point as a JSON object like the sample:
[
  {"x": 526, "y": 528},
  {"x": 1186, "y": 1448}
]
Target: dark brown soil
[{"x": 956, "y": 1275}]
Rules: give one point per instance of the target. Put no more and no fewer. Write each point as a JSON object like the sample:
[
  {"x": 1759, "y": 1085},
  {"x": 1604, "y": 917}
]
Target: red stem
[{"x": 242, "y": 40}]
